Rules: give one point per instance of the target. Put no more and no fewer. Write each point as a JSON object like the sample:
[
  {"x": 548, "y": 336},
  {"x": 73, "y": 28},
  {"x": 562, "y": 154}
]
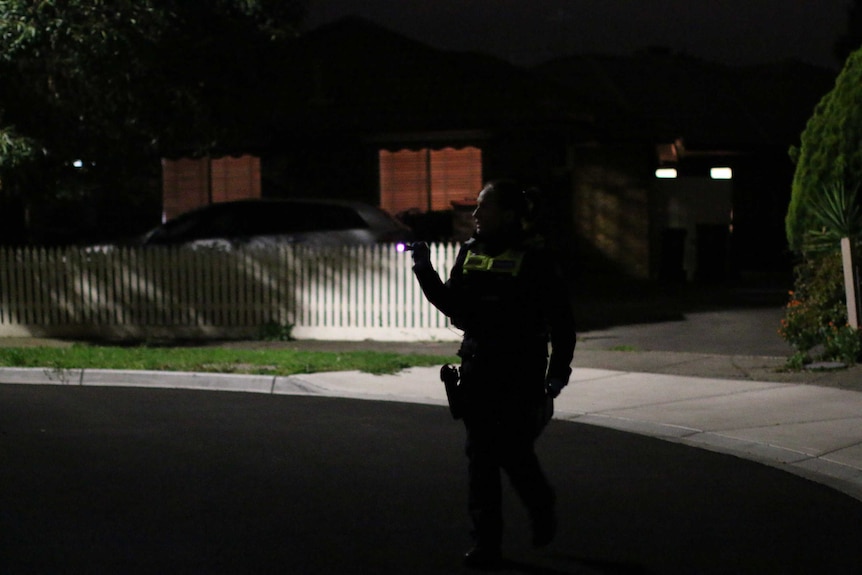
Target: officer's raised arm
[{"x": 439, "y": 294}]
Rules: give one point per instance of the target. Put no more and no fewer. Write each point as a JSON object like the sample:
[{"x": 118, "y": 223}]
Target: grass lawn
[{"x": 213, "y": 359}]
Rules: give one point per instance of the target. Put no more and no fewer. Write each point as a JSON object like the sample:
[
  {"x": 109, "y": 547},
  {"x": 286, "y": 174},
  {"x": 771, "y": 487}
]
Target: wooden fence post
[{"x": 851, "y": 282}]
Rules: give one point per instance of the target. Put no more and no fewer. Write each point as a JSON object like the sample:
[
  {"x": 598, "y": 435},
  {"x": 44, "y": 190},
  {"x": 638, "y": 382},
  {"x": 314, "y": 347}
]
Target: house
[
  {"x": 716, "y": 184},
  {"x": 364, "y": 113},
  {"x": 359, "y": 112}
]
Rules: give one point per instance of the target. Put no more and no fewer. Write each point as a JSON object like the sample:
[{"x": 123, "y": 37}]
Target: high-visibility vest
[{"x": 509, "y": 262}]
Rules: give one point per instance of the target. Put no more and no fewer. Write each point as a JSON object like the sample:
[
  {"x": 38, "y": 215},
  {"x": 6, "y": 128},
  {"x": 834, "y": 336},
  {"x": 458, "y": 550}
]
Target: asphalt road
[{"x": 124, "y": 480}]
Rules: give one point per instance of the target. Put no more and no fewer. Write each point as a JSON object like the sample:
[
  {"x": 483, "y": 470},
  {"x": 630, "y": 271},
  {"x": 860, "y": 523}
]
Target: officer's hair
[{"x": 511, "y": 196}]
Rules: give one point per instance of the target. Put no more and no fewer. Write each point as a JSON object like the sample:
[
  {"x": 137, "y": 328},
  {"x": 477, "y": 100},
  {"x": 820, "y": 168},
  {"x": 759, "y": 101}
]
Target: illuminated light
[
  {"x": 665, "y": 173},
  {"x": 721, "y": 173},
  {"x": 78, "y": 164}
]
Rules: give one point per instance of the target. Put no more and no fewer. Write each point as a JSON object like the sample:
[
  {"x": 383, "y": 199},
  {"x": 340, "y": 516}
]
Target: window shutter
[
  {"x": 189, "y": 183},
  {"x": 403, "y": 180},
  {"x": 235, "y": 178},
  {"x": 406, "y": 176},
  {"x": 455, "y": 175},
  {"x": 184, "y": 186}
]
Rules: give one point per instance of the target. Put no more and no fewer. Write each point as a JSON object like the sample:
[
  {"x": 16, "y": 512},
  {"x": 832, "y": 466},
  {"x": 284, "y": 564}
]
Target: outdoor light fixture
[
  {"x": 721, "y": 173},
  {"x": 665, "y": 173}
]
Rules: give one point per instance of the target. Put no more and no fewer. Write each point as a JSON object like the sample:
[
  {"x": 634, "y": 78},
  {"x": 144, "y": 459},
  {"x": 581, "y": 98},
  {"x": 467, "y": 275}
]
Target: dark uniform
[{"x": 511, "y": 302}]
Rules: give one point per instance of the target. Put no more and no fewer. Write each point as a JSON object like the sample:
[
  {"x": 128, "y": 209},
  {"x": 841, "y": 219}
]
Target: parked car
[{"x": 264, "y": 222}]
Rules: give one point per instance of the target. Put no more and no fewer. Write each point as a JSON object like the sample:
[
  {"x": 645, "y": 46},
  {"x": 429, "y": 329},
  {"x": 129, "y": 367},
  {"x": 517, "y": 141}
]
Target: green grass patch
[
  {"x": 624, "y": 348},
  {"x": 213, "y": 359}
]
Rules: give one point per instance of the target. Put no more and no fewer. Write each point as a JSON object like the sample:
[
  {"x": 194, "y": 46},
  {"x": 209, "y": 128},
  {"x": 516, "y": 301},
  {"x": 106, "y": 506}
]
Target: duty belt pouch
[{"x": 450, "y": 376}]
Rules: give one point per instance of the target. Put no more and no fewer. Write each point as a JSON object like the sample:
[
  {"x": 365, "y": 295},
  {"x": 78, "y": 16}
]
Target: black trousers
[
  {"x": 502, "y": 420},
  {"x": 493, "y": 448}
]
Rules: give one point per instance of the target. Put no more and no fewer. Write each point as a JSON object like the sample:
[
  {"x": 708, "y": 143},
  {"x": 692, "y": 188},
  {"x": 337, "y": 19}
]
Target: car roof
[
  {"x": 359, "y": 206},
  {"x": 345, "y": 214}
]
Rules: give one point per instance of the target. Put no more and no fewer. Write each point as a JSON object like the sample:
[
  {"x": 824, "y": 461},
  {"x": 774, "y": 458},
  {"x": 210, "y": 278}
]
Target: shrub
[
  {"x": 815, "y": 321},
  {"x": 830, "y": 150},
  {"x": 843, "y": 344},
  {"x": 274, "y": 331},
  {"x": 824, "y": 208}
]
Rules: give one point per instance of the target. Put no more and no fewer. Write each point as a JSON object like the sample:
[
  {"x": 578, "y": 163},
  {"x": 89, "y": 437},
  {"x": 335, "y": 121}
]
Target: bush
[
  {"x": 815, "y": 321},
  {"x": 843, "y": 344},
  {"x": 824, "y": 207},
  {"x": 830, "y": 150},
  {"x": 274, "y": 331}
]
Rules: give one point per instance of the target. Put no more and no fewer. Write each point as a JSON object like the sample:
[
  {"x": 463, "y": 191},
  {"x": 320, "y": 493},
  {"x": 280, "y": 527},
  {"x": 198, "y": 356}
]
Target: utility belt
[
  {"x": 462, "y": 399},
  {"x": 474, "y": 346}
]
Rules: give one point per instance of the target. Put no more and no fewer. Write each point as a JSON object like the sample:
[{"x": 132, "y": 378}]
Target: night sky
[{"x": 531, "y": 31}]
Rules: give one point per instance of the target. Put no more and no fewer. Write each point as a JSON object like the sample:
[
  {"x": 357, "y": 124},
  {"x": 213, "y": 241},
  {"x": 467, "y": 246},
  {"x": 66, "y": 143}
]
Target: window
[
  {"x": 189, "y": 183},
  {"x": 428, "y": 180},
  {"x": 235, "y": 178}
]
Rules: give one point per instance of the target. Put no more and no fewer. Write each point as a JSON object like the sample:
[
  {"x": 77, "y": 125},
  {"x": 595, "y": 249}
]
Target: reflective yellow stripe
[{"x": 508, "y": 262}]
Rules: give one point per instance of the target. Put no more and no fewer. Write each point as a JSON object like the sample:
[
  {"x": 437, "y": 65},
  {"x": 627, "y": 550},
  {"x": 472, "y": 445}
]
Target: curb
[{"x": 843, "y": 478}]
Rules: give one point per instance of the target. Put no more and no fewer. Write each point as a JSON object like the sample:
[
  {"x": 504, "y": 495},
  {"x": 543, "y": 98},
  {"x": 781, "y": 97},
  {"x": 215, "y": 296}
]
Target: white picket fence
[{"x": 344, "y": 293}]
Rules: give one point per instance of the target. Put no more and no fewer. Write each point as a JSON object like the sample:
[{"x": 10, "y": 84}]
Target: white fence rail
[{"x": 345, "y": 293}]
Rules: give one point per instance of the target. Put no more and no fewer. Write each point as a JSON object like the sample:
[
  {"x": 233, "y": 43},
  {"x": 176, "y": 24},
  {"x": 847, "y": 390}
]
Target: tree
[
  {"x": 824, "y": 221},
  {"x": 112, "y": 85},
  {"x": 830, "y": 152}
]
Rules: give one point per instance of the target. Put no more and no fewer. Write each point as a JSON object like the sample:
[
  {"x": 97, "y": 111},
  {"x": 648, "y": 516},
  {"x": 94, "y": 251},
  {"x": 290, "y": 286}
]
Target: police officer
[{"x": 505, "y": 293}]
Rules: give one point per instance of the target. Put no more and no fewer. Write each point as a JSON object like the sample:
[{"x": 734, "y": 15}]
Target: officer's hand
[
  {"x": 553, "y": 387},
  {"x": 421, "y": 254}
]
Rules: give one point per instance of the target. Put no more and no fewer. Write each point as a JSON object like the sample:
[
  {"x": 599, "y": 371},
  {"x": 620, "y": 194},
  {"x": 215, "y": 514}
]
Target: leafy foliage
[
  {"x": 830, "y": 152},
  {"x": 824, "y": 208},
  {"x": 839, "y": 214},
  {"x": 119, "y": 83},
  {"x": 15, "y": 150},
  {"x": 815, "y": 321},
  {"x": 274, "y": 331}
]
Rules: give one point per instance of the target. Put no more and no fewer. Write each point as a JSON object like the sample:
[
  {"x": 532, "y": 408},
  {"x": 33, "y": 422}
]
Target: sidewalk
[{"x": 812, "y": 431}]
